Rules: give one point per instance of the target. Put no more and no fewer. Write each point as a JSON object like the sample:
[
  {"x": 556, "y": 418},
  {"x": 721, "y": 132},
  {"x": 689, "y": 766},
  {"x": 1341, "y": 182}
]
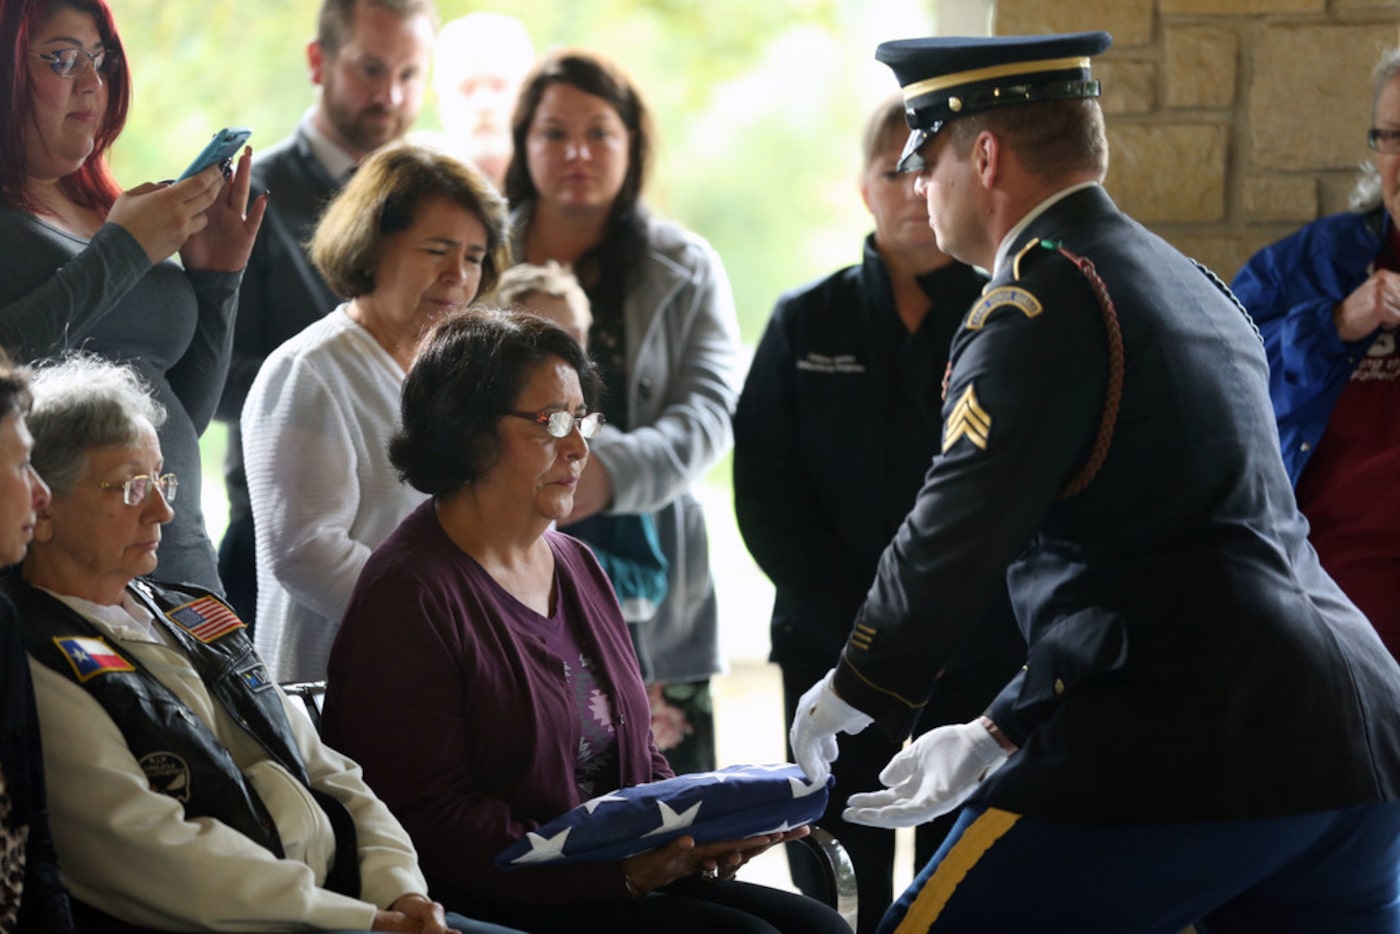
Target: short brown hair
[
  {"x": 471, "y": 368},
  {"x": 1052, "y": 138},
  {"x": 335, "y": 21},
  {"x": 383, "y": 198}
]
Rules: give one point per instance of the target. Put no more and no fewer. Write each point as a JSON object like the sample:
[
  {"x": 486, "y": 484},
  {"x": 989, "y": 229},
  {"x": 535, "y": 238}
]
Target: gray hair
[
  {"x": 1366, "y": 194},
  {"x": 81, "y": 402}
]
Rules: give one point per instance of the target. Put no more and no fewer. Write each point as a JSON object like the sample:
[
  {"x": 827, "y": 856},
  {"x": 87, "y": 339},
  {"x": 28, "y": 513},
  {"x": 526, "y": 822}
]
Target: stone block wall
[{"x": 1230, "y": 122}]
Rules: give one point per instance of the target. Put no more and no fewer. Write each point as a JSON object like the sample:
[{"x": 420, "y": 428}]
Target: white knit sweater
[{"x": 316, "y": 430}]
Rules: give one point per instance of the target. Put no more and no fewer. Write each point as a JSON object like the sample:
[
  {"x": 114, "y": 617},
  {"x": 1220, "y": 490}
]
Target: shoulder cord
[{"x": 1113, "y": 392}]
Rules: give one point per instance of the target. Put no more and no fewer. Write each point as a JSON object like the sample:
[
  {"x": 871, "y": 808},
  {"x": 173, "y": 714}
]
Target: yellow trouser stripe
[{"x": 975, "y": 841}]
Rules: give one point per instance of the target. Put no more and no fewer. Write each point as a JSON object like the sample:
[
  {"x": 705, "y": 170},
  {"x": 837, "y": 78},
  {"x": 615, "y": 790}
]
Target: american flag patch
[
  {"x": 91, "y": 657},
  {"x": 206, "y": 618}
]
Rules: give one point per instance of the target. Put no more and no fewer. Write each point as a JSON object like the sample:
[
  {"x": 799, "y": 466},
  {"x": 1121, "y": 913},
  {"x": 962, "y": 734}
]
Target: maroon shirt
[
  {"x": 463, "y": 718},
  {"x": 1350, "y": 488}
]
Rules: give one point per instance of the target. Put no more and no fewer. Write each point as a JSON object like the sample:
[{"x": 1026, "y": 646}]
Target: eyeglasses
[
  {"x": 66, "y": 63},
  {"x": 1386, "y": 142},
  {"x": 138, "y": 489},
  {"x": 560, "y": 423}
]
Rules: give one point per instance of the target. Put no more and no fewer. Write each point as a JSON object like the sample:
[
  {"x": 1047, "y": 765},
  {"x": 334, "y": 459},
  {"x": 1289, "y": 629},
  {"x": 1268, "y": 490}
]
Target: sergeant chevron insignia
[
  {"x": 1012, "y": 295},
  {"x": 967, "y": 420}
]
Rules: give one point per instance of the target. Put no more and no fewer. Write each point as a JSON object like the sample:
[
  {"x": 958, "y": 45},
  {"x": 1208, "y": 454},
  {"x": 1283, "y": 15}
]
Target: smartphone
[{"x": 223, "y": 147}]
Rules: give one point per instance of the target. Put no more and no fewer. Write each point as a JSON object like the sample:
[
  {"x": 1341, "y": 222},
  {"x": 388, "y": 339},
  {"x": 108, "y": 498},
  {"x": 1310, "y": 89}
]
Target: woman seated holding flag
[
  {"x": 183, "y": 794},
  {"x": 485, "y": 679}
]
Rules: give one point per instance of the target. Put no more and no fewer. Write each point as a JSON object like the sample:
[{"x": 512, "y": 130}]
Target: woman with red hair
[{"x": 88, "y": 265}]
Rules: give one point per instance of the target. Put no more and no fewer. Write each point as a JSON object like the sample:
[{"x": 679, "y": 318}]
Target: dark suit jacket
[
  {"x": 1188, "y": 658},
  {"x": 282, "y": 293}
]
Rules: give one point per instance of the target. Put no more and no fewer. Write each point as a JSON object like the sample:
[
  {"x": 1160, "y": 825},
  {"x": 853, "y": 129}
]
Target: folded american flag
[{"x": 731, "y": 804}]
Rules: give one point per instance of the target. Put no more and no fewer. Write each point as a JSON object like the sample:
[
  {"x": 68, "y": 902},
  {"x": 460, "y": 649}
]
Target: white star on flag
[
  {"x": 670, "y": 820},
  {"x": 594, "y": 803},
  {"x": 545, "y": 849}
]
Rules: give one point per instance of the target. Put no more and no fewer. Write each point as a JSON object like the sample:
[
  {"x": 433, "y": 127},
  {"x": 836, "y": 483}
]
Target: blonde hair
[
  {"x": 885, "y": 124},
  {"x": 553, "y": 279}
]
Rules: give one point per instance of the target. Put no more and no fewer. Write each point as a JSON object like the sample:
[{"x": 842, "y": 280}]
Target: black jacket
[
  {"x": 44, "y": 902},
  {"x": 180, "y": 755},
  {"x": 1188, "y": 658},
  {"x": 838, "y": 422}
]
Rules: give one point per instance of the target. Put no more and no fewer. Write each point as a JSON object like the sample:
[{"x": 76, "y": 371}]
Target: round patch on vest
[{"x": 168, "y": 774}]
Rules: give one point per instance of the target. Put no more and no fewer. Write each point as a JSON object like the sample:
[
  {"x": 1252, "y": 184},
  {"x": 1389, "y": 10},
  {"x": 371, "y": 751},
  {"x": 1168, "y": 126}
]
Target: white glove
[
  {"x": 931, "y": 776},
  {"x": 821, "y": 714}
]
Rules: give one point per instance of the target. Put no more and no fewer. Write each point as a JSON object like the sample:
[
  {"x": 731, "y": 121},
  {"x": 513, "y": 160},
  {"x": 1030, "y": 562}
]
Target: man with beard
[{"x": 370, "y": 58}]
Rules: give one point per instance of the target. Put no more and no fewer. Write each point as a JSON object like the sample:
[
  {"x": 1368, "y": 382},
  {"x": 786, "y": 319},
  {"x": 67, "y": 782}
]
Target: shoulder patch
[
  {"x": 255, "y": 676},
  {"x": 206, "y": 619},
  {"x": 167, "y": 774},
  {"x": 967, "y": 420},
  {"x": 1012, "y": 295},
  {"x": 91, "y": 656}
]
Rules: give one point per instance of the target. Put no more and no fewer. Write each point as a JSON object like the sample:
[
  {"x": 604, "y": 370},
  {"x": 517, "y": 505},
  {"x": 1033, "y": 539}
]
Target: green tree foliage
[{"x": 759, "y": 106}]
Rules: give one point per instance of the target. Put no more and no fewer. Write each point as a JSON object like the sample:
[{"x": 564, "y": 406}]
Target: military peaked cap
[{"x": 955, "y": 76}]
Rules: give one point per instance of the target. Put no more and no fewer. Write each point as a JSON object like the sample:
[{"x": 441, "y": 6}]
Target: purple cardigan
[{"x": 466, "y": 727}]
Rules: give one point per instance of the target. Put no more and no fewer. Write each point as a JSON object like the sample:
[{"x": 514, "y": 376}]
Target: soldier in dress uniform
[{"x": 1206, "y": 729}]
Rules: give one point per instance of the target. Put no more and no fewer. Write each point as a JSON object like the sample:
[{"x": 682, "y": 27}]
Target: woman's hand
[
  {"x": 593, "y": 493},
  {"x": 163, "y": 216},
  {"x": 728, "y": 863},
  {"x": 223, "y": 243},
  {"x": 414, "y": 914},
  {"x": 681, "y": 857},
  {"x": 1374, "y": 304}
]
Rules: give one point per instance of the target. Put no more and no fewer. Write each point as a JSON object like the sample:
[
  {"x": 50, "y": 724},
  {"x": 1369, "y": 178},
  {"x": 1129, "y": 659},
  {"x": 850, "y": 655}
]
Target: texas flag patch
[
  {"x": 730, "y": 804},
  {"x": 206, "y": 618},
  {"x": 90, "y": 657}
]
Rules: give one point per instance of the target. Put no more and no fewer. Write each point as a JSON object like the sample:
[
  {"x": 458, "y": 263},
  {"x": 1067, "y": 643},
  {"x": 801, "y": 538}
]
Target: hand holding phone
[{"x": 223, "y": 147}]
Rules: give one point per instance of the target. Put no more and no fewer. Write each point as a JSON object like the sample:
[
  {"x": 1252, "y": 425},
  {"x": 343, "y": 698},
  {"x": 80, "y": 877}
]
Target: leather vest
[{"x": 178, "y": 752}]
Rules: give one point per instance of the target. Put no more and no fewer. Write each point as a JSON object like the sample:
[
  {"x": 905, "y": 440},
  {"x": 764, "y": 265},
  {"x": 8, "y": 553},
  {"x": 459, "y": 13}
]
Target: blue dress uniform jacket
[
  {"x": 1188, "y": 658},
  {"x": 1290, "y": 289}
]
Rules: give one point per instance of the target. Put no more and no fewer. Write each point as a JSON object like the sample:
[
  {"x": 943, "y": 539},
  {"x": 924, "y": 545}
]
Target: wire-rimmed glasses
[
  {"x": 559, "y": 422},
  {"x": 138, "y": 489},
  {"x": 66, "y": 63},
  {"x": 1383, "y": 141}
]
